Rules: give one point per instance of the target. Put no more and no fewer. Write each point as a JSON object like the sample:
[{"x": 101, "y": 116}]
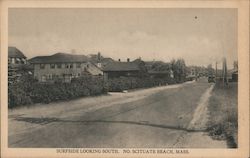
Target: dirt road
[{"x": 169, "y": 116}]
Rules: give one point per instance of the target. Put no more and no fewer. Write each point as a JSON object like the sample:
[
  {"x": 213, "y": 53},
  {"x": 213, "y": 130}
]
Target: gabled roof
[
  {"x": 121, "y": 66},
  {"x": 59, "y": 58},
  {"x": 13, "y": 52}
]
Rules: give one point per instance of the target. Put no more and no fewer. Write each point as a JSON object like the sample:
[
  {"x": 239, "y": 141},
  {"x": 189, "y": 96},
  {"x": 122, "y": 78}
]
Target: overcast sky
[{"x": 200, "y": 36}]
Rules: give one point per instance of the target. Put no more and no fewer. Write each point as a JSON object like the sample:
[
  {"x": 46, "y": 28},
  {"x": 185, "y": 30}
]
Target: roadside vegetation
[
  {"x": 126, "y": 83},
  {"x": 28, "y": 91},
  {"x": 223, "y": 120}
]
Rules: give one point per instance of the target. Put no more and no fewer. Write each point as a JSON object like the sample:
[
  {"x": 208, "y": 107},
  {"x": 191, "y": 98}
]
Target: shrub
[
  {"x": 125, "y": 83},
  {"x": 28, "y": 91},
  {"x": 17, "y": 96}
]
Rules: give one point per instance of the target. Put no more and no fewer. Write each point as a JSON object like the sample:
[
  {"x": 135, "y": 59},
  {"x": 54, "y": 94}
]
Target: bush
[
  {"x": 126, "y": 83},
  {"x": 28, "y": 91},
  {"x": 17, "y": 96}
]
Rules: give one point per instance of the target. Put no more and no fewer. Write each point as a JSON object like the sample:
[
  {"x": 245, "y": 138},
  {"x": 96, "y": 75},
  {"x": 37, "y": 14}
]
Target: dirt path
[
  {"x": 200, "y": 116},
  {"x": 199, "y": 121}
]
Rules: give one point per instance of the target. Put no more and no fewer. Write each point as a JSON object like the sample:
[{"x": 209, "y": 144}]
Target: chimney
[
  {"x": 128, "y": 59},
  {"x": 119, "y": 60}
]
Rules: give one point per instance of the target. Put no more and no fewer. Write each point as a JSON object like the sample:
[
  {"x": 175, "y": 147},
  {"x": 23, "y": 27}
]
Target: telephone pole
[
  {"x": 224, "y": 68},
  {"x": 216, "y": 71}
]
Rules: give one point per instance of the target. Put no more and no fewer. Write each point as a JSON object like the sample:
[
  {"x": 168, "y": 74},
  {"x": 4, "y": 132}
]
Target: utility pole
[
  {"x": 226, "y": 71},
  {"x": 216, "y": 71},
  {"x": 224, "y": 68}
]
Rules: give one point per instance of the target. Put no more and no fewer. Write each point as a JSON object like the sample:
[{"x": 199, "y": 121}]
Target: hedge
[
  {"x": 28, "y": 91},
  {"x": 126, "y": 83}
]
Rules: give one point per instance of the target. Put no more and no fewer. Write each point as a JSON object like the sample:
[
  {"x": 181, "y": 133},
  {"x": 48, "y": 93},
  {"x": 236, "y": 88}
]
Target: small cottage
[
  {"x": 15, "y": 56},
  {"x": 122, "y": 69},
  {"x": 17, "y": 65}
]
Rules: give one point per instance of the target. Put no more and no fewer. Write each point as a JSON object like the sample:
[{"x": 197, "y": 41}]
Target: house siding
[
  {"x": 16, "y": 60},
  {"x": 49, "y": 73}
]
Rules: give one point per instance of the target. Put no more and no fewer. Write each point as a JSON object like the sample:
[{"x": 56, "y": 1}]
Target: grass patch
[{"x": 223, "y": 110}]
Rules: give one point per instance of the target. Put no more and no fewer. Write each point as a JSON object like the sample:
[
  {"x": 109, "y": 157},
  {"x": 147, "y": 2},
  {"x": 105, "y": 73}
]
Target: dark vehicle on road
[{"x": 211, "y": 79}]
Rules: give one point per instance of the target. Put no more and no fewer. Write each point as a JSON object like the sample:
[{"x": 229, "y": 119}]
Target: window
[
  {"x": 49, "y": 76},
  {"x": 52, "y": 66},
  {"x": 78, "y": 65},
  {"x": 99, "y": 64},
  {"x": 42, "y": 66},
  {"x": 13, "y": 60},
  {"x": 67, "y": 66},
  {"x": 24, "y": 60},
  {"x": 59, "y": 66},
  {"x": 18, "y": 61},
  {"x": 43, "y": 79}
]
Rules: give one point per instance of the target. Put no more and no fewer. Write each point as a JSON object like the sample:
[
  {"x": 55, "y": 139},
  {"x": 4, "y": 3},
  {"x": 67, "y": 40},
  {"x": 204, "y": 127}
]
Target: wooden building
[
  {"x": 121, "y": 69},
  {"x": 62, "y": 67},
  {"x": 17, "y": 64}
]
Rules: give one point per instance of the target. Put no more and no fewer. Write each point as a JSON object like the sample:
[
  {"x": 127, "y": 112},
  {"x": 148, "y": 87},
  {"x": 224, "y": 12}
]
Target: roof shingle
[
  {"x": 121, "y": 66},
  {"x": 13, "y": 52}
]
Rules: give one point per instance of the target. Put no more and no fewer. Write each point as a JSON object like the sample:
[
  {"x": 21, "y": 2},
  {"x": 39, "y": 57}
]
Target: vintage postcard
[{"x": 125, "y": 78}]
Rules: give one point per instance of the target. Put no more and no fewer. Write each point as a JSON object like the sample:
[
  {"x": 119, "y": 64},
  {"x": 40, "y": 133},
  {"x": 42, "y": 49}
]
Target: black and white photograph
[{"x": 96, "y": 80}]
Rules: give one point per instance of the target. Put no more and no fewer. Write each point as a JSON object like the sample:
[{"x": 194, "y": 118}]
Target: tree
[
  {"x": 210, "y": 70},
  {"x": 161, "y": 66},
  {"x": 179, "y": 69}
]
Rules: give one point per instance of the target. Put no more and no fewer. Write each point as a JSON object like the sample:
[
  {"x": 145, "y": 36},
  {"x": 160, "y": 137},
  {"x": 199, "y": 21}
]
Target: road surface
[{"x": 163, "y": 117}]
